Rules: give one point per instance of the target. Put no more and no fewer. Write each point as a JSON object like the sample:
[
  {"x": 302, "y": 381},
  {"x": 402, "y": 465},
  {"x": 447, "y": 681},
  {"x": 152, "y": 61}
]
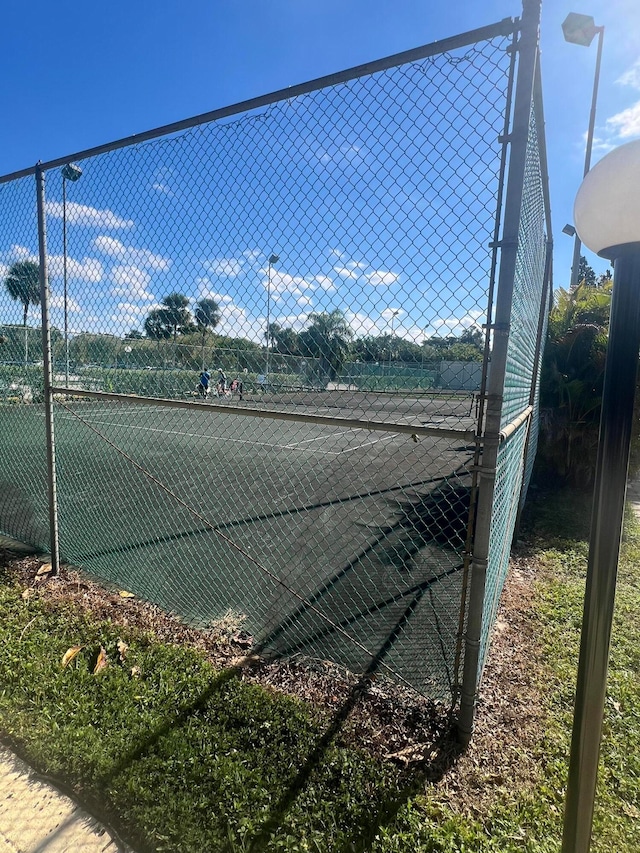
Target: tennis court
[
  {"x": 308, "y": 530},
  {"x": 356, "y": 250}
]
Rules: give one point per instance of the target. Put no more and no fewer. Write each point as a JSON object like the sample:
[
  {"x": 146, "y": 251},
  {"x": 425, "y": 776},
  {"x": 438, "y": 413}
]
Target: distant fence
[{"x": 344, "y": 502}]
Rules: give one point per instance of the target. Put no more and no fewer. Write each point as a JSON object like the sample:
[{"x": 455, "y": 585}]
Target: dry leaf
[
  {"x": 102, "y": 661},
  {"x": 136, "y": 672},
  {"x": 414, "y": 753},
  {"x": 27, "y": 593},
  {"x": 71, "y": 654},
  {"x": 125, "y": 594},
  {"x": 123, "y": 648},
  {"x": 45, "y": 569}
]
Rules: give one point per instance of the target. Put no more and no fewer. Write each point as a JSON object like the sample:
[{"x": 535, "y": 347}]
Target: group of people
[{"x": 223, "y": 388}]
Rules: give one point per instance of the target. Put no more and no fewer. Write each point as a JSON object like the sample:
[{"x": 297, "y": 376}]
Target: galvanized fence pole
[
  {"x": 528, "y": 49},
  {"x": 47, "y": 372}
]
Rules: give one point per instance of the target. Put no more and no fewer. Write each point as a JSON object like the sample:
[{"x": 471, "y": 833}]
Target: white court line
[
  {"x": 308, "y": 440},
  {"x": 368, "y": 444},
  {"x": 218, "y": 437}
]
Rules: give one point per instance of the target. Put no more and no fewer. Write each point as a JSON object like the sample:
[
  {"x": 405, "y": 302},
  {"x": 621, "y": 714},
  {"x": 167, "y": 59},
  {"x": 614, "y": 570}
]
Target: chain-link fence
[{"x": 262, "y": 384}]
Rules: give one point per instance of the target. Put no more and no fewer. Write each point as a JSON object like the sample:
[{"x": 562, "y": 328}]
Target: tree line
[{"x": 328, "y": 337}]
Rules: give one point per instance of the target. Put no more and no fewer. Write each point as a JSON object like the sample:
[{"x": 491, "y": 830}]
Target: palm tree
[
  {"x": 177, "y": 315},
  {"x": 271, "y": 335},
  {"x": 23, "y": 285},
  {"x": 327, "y": 339},
  {"x": 207, "y": 316},
  {"x": 156, "y": 325}
]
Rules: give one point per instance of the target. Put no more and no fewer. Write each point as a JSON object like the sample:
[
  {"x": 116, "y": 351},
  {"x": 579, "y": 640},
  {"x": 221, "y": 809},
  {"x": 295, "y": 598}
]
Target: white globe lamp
[{"x": 607, "y": 207}]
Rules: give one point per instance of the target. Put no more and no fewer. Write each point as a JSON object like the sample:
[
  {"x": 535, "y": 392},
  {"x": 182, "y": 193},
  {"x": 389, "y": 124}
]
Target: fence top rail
[
  {"x": 270, "y": 414},
  {"x": 501, "y": 28}
]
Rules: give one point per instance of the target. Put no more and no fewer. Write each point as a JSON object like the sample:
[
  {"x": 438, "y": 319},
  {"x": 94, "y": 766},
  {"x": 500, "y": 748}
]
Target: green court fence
[{"x": 280, "y": 360}]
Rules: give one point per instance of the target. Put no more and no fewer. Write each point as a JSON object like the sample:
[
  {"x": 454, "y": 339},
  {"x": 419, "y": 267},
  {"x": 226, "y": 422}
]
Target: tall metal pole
[
  {"x": 577, "y": 246},
  {"x": 266, "y": 373},
  {"x": 64, "y": 273},
  {"x": 616, "y": 424},
  {"x": 48, "y": 373},
  {"x": 528, "y": 57}
]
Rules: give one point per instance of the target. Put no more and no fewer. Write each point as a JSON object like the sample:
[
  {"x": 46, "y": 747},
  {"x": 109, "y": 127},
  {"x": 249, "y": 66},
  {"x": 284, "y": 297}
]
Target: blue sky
[{"x": 76, "y": 76}]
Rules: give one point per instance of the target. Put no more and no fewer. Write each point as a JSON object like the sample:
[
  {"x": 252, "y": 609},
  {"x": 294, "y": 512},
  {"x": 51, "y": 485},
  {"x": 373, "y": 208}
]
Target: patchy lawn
[{"x": 185, "y": 741}]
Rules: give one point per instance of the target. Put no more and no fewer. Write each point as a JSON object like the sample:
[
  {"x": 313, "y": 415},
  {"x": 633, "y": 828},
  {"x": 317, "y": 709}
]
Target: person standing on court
[
  {"x": 203, "y": 386},
  {"x": 222, "y": 381}
]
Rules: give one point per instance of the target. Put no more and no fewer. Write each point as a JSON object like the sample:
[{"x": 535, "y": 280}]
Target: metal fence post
[
  {"x": 47, "y": 373},
  {"x": 528, "y": 48}
]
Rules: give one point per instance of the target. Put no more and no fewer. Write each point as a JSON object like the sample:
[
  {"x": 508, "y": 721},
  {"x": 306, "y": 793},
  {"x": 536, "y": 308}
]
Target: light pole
[
  {"x": 70, "y": 172},
  {"x": 273, "y": 259},
  {"x": 607, "y": 217},
  {"x": 394, "y": 314},
  {"x": 581, "y": 29}
]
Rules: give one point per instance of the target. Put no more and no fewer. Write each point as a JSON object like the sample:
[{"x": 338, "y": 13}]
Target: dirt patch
[
  {"x": 389, "y": 722},
  {"x": 504, "y": 751}
]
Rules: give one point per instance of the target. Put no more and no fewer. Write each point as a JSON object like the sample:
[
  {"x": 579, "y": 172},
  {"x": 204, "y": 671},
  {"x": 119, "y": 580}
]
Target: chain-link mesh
[
  {"x": 267, "y": 335},
  {"x": 23, "y": 445},
  {"x": 522, "y": 373}
]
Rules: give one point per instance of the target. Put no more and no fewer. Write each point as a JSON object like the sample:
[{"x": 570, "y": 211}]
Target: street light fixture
[
  {"x": 581, "y": 29},
  {"x": 70, "y": 172},
  {"x": 607, "y": 217},
  {"x": 273, "y": 259}
]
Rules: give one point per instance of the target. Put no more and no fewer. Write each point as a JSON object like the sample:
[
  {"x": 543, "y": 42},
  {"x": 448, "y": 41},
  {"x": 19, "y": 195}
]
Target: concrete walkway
[{"x": 35, "y": 817}]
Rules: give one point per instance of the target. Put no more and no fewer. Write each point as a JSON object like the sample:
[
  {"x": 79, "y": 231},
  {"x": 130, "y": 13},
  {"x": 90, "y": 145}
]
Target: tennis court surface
[{"x": 333, "y": 542}]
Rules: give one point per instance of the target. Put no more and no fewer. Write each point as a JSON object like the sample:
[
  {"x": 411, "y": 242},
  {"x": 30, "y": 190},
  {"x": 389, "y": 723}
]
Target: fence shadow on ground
[{"x": 442, "y": 751}]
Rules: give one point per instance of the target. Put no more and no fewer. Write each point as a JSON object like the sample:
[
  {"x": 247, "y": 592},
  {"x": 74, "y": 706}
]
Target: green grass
[{"x": 186, "y": 758}]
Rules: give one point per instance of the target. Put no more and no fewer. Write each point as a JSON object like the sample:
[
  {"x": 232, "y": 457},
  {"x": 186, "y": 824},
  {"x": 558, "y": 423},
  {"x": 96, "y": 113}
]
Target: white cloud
[
  {"x": 252, "y": 254},
  {"x": 446, "y": 325},
  {"x": 131, "y": 282},
  {"x": 345, "y": 153},
  {"x": 58, "y": 302},
  {"x": 626, "y": 124},
  {"x": 162, "y": 188},
  {"x": 81, "y": 214},
  {"x": 631, "y": 77},
  {"x": 349, "y": 269},
  {"x": 297, "y": 322},
  {"x": 284, "y": 285},
  {"x": 88, "y": 269},
  {"x": 381, "y": 278},
  {"x": 304, "y": 301},
  {"x": 325, "y": 283},
  {"x": 392, "y": 313},
  {"x": 206, "y": 291},
  {"x": 128, "y": 315},
  {"x": 230, "y": 267},
  {"x": 129, "y": 254},
  {"x": 346, "y": 273},
  {"x": 363, "y": 324},
  {"x": 20, "y": 253}
]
